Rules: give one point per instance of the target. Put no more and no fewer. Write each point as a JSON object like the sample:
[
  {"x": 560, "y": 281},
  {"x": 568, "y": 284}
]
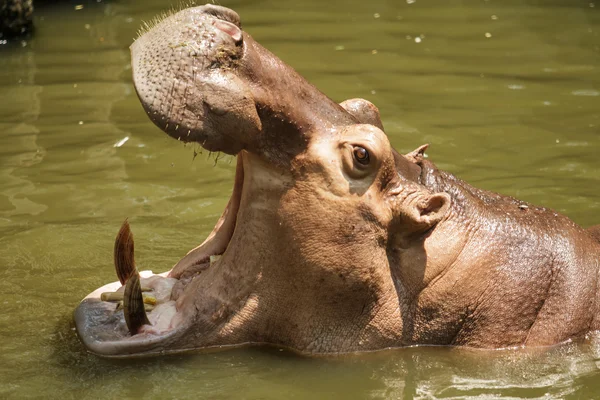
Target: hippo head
[{"x": 305, "y": 255}]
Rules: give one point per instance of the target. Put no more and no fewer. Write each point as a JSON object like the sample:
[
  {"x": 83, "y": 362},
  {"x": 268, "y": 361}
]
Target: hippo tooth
[
  {"x": 124, "y": 262},
  {"x": 133, "y": 305},
  {"x": 111, "y": 296}
]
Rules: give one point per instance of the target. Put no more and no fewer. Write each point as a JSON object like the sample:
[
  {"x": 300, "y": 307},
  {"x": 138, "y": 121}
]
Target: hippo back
[{"x": 594, "y": 231}]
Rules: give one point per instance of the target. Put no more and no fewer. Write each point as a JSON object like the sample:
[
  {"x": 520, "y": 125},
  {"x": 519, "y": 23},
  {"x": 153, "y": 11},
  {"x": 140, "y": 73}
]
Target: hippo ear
[
  {"x": 364, "y": 111},
  {"x": 425, "y": 211},
  {"x": 430, "y": 210},
  {"x": 418, "y": 154}
]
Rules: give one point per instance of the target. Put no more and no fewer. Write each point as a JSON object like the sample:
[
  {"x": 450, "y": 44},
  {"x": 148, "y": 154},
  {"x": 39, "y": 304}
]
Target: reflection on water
[
  {"x": 427, "y": 372},
  {"x": 506, "y": 92}
]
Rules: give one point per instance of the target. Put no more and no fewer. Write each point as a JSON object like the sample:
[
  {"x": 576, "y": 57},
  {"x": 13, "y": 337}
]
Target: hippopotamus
[{"x": 332, "y": 241}]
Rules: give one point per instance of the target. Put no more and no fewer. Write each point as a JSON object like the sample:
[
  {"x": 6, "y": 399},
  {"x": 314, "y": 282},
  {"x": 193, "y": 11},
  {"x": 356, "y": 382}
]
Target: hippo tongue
[{"x": 198, "y": 259}]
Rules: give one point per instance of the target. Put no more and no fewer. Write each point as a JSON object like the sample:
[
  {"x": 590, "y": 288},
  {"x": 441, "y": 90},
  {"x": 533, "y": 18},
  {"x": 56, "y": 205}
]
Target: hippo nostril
[
  {"x": 224, "y": 14},
  {"x": 230, "y": 29}
]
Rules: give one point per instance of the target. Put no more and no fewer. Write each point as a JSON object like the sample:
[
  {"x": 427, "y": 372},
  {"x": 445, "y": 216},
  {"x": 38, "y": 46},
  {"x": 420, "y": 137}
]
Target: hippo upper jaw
[
  {"x": 200, "y": 78},
  {"x": 198, "y": 53}
]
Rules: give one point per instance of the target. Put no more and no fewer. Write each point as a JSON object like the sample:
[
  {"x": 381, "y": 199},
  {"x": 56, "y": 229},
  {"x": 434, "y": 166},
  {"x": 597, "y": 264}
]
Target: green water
[{"x": 507, "y": 92}]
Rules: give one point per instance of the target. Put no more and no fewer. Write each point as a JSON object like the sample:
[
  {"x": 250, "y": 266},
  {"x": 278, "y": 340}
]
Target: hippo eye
[{"x": 361, "y": 155}]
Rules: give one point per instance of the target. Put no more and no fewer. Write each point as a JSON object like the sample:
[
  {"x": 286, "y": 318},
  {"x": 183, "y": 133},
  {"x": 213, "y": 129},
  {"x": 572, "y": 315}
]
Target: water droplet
[
  {"x": 494, "y": 17},
  {"x": 339, "y": 48},
  {"x": 80, "y": 122},
  {"x": 373, "y": 92},
  {"x": 79, "y": 7},
  {"x": 417, "y": 40},
  {"x": 516, "y": 87},
  {"x": 376, "y": 15},
  {"x": 410, "y": 1},
  {"x": 87, "y": 26},
  {"x": 488, "y": 35},
  {"x": 374, "y": 52}
]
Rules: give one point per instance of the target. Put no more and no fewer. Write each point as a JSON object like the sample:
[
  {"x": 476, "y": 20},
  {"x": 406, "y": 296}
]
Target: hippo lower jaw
[
  {"x": 103, "y": 330},
  {"x": 102, "y": 326}
]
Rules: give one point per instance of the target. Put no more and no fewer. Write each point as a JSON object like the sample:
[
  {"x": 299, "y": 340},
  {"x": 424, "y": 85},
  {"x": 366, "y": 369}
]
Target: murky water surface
[{"x": 507, "y": 92}]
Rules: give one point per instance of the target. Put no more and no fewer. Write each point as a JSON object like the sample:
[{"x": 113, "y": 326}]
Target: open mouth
[
  {"x": 142, "y": 313},
  {"x": 201, "y": 79},
  {"x": 184, "y": 74}
]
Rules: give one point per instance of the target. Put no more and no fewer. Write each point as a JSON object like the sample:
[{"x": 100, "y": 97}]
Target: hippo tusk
[
  {"x": 124, "y": 261},
  {"x": 133, "y": 305},
  {"x": 133, "y": 300}
]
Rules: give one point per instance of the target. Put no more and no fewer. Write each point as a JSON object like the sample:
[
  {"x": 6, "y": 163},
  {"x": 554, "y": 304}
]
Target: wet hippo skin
[{"x": 332, "y": 241}]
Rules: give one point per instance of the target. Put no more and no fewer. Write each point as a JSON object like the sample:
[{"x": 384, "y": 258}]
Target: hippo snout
[{"x": 197, "y": 53}]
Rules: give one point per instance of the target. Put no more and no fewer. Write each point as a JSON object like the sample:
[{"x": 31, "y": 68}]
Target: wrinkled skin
[{"x": 324, "y": 251}]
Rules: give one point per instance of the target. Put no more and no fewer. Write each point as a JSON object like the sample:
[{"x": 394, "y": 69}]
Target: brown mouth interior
[
  {"x": 202, "y": 257},
  {"x": 216, "y": 243},
  {"x": 100, "y": 322}
]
